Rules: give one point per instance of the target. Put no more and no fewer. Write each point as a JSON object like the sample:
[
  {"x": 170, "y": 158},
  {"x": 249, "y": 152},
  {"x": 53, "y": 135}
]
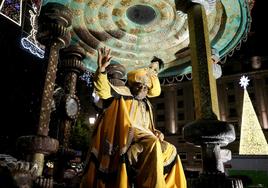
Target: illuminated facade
[
  {"x": 231, "y": 104},
  {"x": 175, "y": 108}
]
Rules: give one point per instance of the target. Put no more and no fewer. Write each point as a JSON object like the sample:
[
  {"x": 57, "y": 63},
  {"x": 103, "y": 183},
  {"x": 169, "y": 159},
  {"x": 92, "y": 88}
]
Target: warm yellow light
[
  {"x": 91, "y": 120},
  {"x": 252, "y": 139}
]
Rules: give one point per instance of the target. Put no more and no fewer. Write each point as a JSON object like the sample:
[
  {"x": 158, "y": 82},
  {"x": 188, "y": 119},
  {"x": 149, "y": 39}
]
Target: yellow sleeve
[
  {"x": 102, "y": 86},
  {"x": 156, "y": 88}
]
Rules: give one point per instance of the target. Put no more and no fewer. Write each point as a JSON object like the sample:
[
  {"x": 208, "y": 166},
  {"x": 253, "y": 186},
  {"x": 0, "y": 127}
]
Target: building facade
[{"x": 174, "y": 108}]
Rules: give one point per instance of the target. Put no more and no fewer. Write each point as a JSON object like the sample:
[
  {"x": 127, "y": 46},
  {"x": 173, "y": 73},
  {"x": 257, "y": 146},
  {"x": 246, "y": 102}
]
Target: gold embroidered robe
[{"x": 125, "y": 150}]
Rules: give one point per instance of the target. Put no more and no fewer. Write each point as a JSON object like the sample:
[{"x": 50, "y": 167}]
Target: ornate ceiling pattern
[{"x": 137, "y": 30}]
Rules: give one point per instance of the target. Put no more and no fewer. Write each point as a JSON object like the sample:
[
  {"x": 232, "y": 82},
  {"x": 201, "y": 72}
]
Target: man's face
[{"x": 139, "y": 90}]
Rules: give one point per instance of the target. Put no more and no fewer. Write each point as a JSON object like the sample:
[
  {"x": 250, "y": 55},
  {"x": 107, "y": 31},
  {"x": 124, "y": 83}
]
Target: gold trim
[
  {"x": 92, "y": 4},
  {"x": 102, "y": 16},
  {"x": 117, "y": 12}
]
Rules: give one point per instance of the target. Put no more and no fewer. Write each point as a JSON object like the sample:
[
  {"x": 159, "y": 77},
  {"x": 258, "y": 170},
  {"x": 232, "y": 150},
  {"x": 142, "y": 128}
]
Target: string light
[
  {"x": 35, "y": 50},
  {"x": 30, "y": 43},
  {"x": 244, "y": 81},
  {"x": 175, "y": 79},
  {"x": 12, "y": 10},
  {"x": 87, "y": 77}
]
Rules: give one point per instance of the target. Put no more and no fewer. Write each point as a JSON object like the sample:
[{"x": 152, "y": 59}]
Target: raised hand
[
  {"x": 155, "y": 66},
  {"x": 104, "y": 58}
]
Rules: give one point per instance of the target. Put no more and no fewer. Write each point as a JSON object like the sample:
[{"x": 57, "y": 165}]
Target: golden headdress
[
  {"x": 145, "y": 76},
  {"x": 140, "y": 76}
]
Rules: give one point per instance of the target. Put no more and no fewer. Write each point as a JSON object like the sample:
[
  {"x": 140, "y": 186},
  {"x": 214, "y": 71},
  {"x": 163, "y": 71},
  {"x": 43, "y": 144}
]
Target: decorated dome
[{"x": 137, "y": 30}]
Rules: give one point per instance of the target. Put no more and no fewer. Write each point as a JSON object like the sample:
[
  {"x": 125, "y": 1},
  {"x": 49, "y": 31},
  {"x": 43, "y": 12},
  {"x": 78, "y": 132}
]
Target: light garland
[
  {"x": 35, "y": 50},
  {"x": 175, "y": 79},
  {"x": 30, "y": 43},
  {"x": 12, "y": 10},
  {"x": 244, "y": 81},
  {"x": 87, "y": 77}
]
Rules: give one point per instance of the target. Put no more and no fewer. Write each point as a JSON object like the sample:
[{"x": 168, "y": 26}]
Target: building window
[
  {"x": 179, "y": 92},
  {"x": 162, "y": 95},
  {"x": 180, "y": 104},
  {"x": 197, "y": 162},
  {"x": 160, "y": 118},
  {"x": 230, "y": 86},
  {"x": 250, "y": 84},
  {"x": 198, "y": 156},
  {"x": 231, "y": 98},
  {"x": 252, "y": 96},
  {"x": 180, "y": 116},
  {"x": 266, "y": 81},
  {"x": 232, "y": 112},
  {"x": 256, "y": 109},
  {"x": 183, "y": 155},
  {"x": 160, "y": 106},
  {"x": 179, "y": 129}
]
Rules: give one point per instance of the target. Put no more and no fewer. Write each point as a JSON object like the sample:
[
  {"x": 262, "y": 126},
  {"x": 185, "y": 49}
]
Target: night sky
[
  {"x": 258, "y": 37},
  {"x": 21, "y": 80},
  {"x": 23, "y": 74}
]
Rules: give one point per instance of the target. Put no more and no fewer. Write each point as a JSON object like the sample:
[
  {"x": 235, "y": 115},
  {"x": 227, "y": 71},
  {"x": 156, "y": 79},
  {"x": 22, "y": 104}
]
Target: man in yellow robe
[{"x": 127, "y": 150}]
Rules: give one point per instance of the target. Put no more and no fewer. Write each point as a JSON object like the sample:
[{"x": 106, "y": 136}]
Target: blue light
[
  {"x": 87, "y": 77},
  {"x": 17, "y": 6},
  {"x": 33, "y": 48}
]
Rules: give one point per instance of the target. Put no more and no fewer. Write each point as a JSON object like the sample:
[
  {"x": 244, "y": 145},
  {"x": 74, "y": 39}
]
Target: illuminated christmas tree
[
  {"x": 12, "y": 9},
  {"x": 252, "y": 139}
]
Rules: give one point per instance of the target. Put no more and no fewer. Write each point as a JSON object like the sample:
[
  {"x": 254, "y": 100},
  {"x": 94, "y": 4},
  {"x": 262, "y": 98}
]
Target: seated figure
[{"x": 127, "y": 150}]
